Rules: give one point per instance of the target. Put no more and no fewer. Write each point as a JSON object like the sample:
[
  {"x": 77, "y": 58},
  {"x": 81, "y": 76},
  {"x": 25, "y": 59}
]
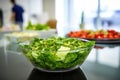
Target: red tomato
[
  {"x": 111, "y": 31},
  {"x": 90, "y": 36},
  {"x": 116, "y": 36},
  {"x": 119, "y": 35},
  {"x": 110, "y": 36},
  {"x": 99, "y": 37},
  {"x": 96, "y": 34},
  {"x": 84, "y": 36},
  {"x": 105, "y": 36}
]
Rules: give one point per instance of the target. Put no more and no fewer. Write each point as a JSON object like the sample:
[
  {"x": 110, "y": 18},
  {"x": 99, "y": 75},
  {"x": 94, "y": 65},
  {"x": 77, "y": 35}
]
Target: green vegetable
[
  {"x": 57, "y": 53},
  {"x": 38, "y": 26}
]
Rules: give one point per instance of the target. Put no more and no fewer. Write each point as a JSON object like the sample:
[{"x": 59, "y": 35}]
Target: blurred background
[
  {"x": 97, "y": 13},
  {"x": 69, "y": 14}
]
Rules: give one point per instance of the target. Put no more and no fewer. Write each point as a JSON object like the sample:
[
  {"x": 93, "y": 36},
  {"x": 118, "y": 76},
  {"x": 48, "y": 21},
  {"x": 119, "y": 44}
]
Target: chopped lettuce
[
  {"x": 62, "y": 52},
  {"x": 57, "y": 53},
  {"x": 37, "y": 26}
]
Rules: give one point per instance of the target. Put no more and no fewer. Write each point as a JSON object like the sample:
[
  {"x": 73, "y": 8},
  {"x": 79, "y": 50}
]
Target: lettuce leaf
[{"x": 57, "y": 52}]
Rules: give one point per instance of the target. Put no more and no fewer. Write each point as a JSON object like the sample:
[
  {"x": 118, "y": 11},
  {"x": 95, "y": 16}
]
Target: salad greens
[
  {"x": 38, "y": 26},
  {"x": 57, "y": 53}
]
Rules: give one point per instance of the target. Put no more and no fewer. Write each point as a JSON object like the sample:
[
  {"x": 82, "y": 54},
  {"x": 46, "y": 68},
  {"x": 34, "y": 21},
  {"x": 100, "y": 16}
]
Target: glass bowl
[{"x": 57, "y": 54}]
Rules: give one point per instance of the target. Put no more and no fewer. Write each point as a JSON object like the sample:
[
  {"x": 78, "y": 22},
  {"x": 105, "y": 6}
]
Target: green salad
[
  {"x": 37, "y": 26},
  {"x": 57, "y": 53}
]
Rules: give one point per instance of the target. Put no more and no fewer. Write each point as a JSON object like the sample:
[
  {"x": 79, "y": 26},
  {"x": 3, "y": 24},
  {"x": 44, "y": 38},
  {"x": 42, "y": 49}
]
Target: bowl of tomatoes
[{"x": 100, "y": 36}]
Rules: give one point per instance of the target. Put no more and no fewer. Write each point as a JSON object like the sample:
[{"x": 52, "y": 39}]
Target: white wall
[
  {"x": 49, "y": 7},
  {"x": 35, "y": 6},
  {"x": 6, "y": 6}
]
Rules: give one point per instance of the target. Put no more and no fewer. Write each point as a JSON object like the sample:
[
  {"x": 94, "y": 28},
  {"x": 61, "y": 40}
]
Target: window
[{"x": 70, "y": 12}]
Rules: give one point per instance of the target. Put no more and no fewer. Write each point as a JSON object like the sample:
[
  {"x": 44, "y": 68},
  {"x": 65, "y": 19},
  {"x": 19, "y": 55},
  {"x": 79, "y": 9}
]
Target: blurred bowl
[
  {"x": 44, "y": 33},
  {"x": 20, "y": 36}
]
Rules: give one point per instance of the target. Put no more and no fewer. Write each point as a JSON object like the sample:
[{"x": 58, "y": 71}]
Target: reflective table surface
[
  {"x": 103, "y": 63},
  {"x": 71, "y": 75},
  {"x": 14, "y": 66}
]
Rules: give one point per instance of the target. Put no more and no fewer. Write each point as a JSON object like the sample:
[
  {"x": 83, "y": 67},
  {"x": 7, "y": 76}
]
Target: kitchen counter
[{"x": 14, "y": 66}]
